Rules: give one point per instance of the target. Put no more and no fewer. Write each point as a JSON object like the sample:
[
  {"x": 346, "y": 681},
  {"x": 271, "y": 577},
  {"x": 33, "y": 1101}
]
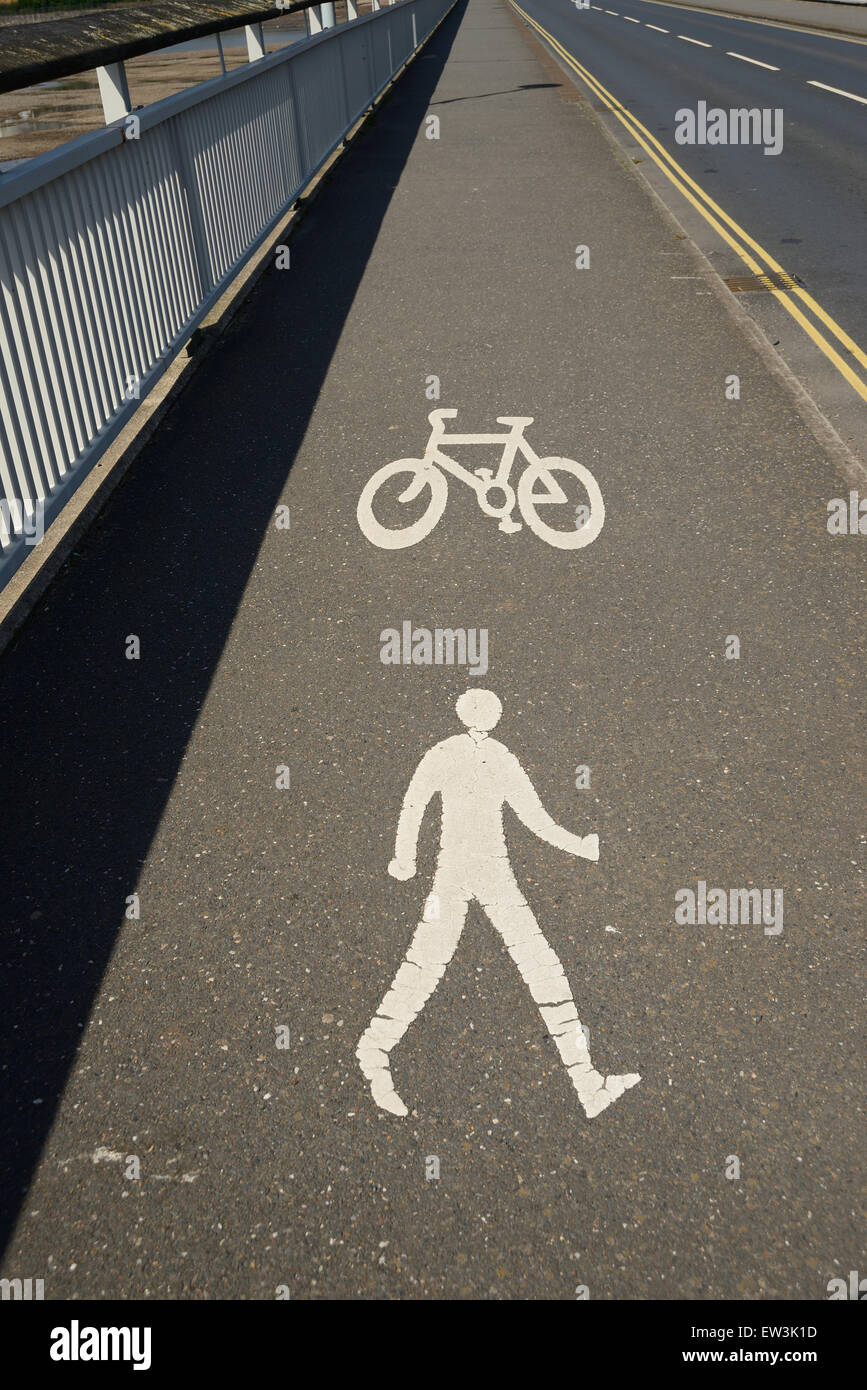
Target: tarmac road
[{"x": 793, "y": 201}]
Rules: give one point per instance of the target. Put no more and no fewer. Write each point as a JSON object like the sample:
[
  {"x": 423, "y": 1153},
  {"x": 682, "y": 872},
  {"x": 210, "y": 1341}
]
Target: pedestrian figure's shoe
[
  {"x": 614, "y": 1087},
  {"x": 374, "y": 1065}
]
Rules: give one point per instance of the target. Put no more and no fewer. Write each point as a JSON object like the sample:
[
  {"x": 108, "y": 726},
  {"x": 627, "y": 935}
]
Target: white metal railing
[{"x": 114, "y": 246}]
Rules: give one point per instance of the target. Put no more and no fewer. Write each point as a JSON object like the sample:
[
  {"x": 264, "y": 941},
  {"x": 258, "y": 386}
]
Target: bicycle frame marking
[
  {"x": 482, "y": 480},
  {"x": 435, "y": 465}
]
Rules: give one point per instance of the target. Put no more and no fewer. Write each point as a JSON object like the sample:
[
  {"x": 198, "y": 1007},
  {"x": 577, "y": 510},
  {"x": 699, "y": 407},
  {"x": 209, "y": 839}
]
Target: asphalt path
[{"x": 184, "y": 1114}]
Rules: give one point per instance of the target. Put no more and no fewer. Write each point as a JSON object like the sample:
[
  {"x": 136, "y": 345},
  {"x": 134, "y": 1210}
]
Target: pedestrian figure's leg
[
  {"x": 432, "y": 947},
  {"x": 546, "y": 980}
]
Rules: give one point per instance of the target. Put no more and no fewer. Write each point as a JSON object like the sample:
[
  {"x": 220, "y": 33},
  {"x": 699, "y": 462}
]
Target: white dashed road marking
[
  {"x": 838, "y": 92},
  {"x": 744, "y": 59},
  {"x": 756, "y": 62}
]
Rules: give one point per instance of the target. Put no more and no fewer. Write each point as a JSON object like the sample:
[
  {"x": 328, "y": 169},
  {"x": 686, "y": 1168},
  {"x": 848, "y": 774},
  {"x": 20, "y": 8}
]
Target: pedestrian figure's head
[{"x": 479, "y": 710}]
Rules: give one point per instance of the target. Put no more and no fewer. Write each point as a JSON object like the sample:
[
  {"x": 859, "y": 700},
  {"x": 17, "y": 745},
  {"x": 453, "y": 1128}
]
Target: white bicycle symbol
[{"x": 430, "y": 472}]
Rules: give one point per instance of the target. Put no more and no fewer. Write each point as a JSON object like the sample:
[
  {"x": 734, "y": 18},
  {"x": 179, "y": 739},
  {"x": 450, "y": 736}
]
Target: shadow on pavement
[
  {"x": 92, "y": 742},
  {"x": 480, "y": 96}
]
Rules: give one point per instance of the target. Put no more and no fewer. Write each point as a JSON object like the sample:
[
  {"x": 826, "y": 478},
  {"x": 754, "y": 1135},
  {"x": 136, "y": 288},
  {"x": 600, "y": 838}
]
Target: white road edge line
[
  {"x": 838, "y": 91},
  {"x": 744, "y": 59},
  {"x": 687, "y": 39},
  {"x": 656, "y": 27}
]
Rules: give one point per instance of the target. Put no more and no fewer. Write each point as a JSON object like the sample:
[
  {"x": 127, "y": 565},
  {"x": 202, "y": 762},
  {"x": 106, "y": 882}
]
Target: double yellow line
[{"x": 761, "y": 262}]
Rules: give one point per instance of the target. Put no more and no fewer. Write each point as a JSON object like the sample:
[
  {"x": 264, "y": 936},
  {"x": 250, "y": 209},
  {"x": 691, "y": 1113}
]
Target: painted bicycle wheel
[
  {"x": 421, "y": 475},
  {"x": 528, "y": 500}
]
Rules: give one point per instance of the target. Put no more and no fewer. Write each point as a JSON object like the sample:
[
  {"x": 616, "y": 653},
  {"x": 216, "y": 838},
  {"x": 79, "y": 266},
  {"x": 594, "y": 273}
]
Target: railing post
[
  {"x": 255, "y": 42},
  {"x": 114, "y": 90},
  {"x": 190, "y": 184},
  {"x": 344, "y": 87},
  {"x": 301, "y": 142},
  {"x": 220, "y": 54}
]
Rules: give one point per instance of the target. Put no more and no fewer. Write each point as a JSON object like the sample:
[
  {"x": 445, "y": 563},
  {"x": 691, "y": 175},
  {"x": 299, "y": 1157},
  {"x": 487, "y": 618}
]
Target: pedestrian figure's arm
[
  {"x": 419, "y": 792},
  {"x": 524, "y": 801}
]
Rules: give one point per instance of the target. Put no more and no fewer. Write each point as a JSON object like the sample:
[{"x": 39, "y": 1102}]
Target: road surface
[
  {"x": 801, "y": 208},
  {"x": 186, "y": 1114}
]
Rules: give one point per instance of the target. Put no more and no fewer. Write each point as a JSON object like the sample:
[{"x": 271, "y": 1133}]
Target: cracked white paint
[
  {"x": 476, "y": 776},
  {"x": 103, "y": 1155}
]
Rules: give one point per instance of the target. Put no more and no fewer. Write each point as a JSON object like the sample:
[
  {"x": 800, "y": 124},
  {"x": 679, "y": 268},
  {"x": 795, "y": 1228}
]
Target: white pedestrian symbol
[
  {"x": 476, "y": 776},
  {"x": 494, "y": 492}
]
